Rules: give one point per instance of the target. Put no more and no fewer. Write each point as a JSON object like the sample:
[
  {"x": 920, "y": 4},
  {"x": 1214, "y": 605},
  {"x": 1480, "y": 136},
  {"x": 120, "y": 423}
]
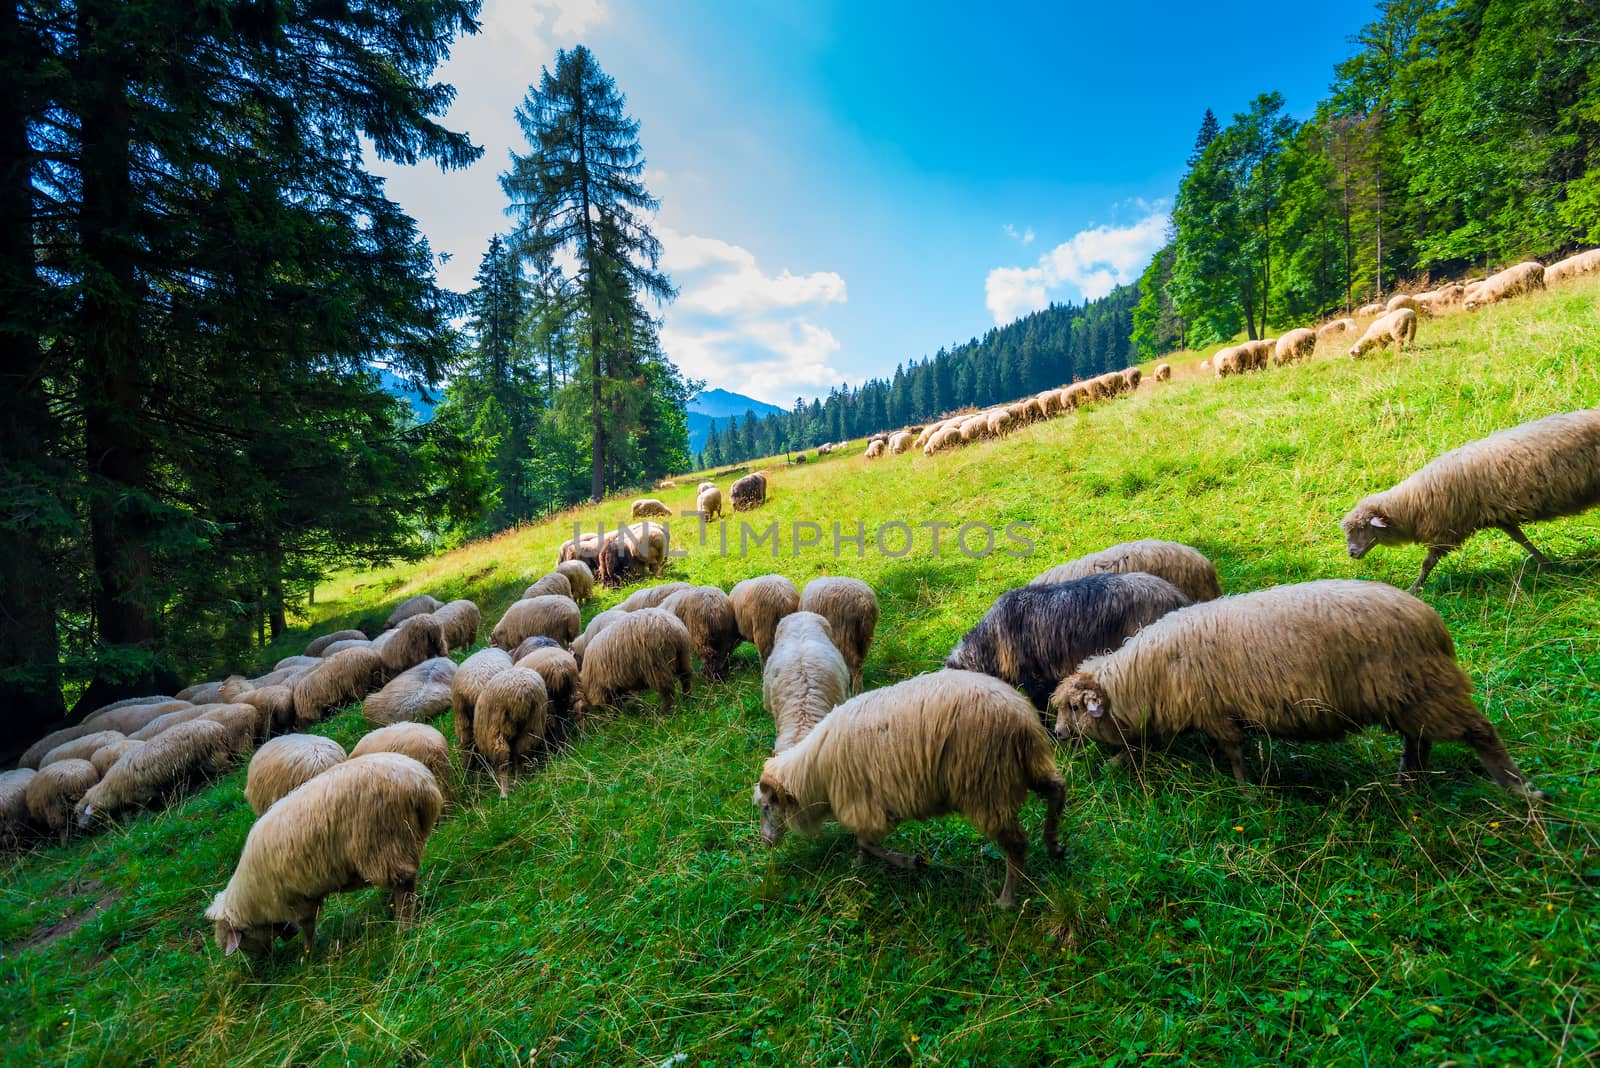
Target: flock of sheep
[{"x": 1127, "y": 647}]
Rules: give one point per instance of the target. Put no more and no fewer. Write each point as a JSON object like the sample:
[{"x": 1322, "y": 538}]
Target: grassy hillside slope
[{"x": 619, "y": 907}]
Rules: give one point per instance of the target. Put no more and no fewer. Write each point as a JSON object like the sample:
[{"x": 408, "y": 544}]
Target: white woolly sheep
[
  {"x": 804, "y": 679},
  {"x": 951, "y": 741},
  {"x": 509, "y": 721},
  {"x": 1572, "y": 267},
  {"x": 1368, "y": 310},
  {"x": 649, "y": 508},
  {"x": 554, "y": 583},
  {"x": 1401, "y": 300},
  {"x": 416, "y": 639},
  {"x": 1335, "y": 328},
  {"x": 899, "y": 442},
  {"x": 644, "y": 650},
  {"x": 470, "y": 679},
  {"x": 343, "y": 679},
  {"x": 851, "y": 609},
  {"x": 579, "y": 577},
  {"x": 284, "y": 764},
  {"x": 245, "y": 724},
  {"x": 709, "y": 504},
  {"x": 758, "y": 604},
  {"x": 1131, "y": 377},
  {"x": 707, "y": 612},
  {"x": 166, "y": 722},
  {"x": 194, "y": 750},
  {"x": 317, "y": 647},
  {"x": 420, "y": 605},
  {"x": 1185, "y": 567},
  {"x": 201, "y": 693},
  {"x": 639, "y": 548},
  {"x": 1399, "y": 326},
  {"x": 415, "y": 695},
  {"x": 363, "y": 822},
  {"x": 1312, "y": 661},
  {"x": 111, "y": 752},
  {"x": 999, "y": 422},
  {"x": 875, "y": 449},
  {"x": 1226, "y": 361},
  {"x": 349, "y": 643},
  {"x": 1163, "y": 372},
  {"x": 299, "y": 663},
  {"x": 14, "y": 805},
  {"x": 705, "y": 486},
  {"x": 1511, "y": 282},
  {"x": 585, "y": 550},
  {"x": 55, "y": 790},
  {"x": 596, "y": 625},
  {"x": 1540, "y": 470},
  {"x": 748, "y": 492},
  {"x": 551, "y": 615},
  {"x": 563, "y": 686},
  {"x": 80, "y": 748},
  {"x": 1295, "y": 345},
  {"x": 458, "y": 620},
  {"x": 419, "y": 741},
  {"x": 652, "y": 596},
  {"x": 276, "y": 703},
  {"x": 233, "y": 687}
]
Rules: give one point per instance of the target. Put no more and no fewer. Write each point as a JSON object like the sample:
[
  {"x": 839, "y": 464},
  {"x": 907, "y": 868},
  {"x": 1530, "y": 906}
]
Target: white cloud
[
  {"x": 1026, "y": 236},
  {"x": 1092, "y": 262}
]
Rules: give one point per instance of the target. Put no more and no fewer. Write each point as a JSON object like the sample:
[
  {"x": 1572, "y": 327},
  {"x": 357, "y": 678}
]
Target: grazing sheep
[
  {"x": 1335, "y": 328},
  {"x": 1511, "y": 282},
  {"x": 415, "y": 695},
  {"x": 804, "y": 679},
  {"x": 349, "y": 643},
  {"x": 1572, "y": 267},
  {"x": 1205, "y": 365},
  {"x": 666, "y": 484},
  {"x": 36, "y": 752},
  {"x": 14, "y": 805},
  {"x": 1295, "y": 345},
  {"x": 563, "y": 686},
  {"x": 951, "y": 741},
  {"x": 1076, "y": 395},
  {"x": 709, "y": 504},
  {"x": 596, "y": 625},
  {"x": 509, "y": 721},
  {"x": 317, "y": 647},
  {"x": 875, "y": 449},
  {"x": 1254, "y": 355},
  {"x": 413, "y": 641},
  {"x": 652, "y": 596},
  {"x": 245, "y": 725},
  {"x": 1035, "y": 636},
  {"x": 1184, "y": 567},
  {"x": 106, "y": 714},
  {"x": 1401, "y": 300},
  {"x": 1225, "y": 361},
  {"x": 974, "y": 428},
  {"x": 707, "y": 612},
  {"x": 420, "y": 605},
  {"x": 899, "y": 442},
  {"x": 1540, "y": 470},
  {"x": 946, "y": 438},
  {"x": 1131, "y": 377},
  {"x": 586, "y": 550},
  {"x": 276, "y": 703},
  {"x": 705, "y": 486},
  {"x": 201, "y": 693},
  {"x": 579, "y": 577},
  {"x": 644, "y": 650},
  {"x": 284, "y": 764},
  {"x": 470, "y": 679},
  {"x": 538, "y": 641},
  {"x": 110, "y": 753},
  {"x": 851, "y": 609},
  {"x": 343, "y": 679},
  {"x": 1163, "y": 372},
  {"x": 1375, "y": 308},
  {"x": 639, "y": 548},
  {"x": 80, "y": 748},
  {"x": 999, "y": 422},
  {"x": 300, "y": 663},
  {"x": 233, "y": 687},
  {"x": 166, "y": 722},
  {"x": 54, "y": 790},
  {"x": 459, "y": 621},
  {"x": 194, "y": 750},
  {"x": 1398, "y": 326},
  {"x": 552, "y": 584},
  {"x": 749, "y": 492},
  {"x": 758, "y": 604},
  {"x": 363, "y": 822},
  {"x": 419, "y": 741},
  {"x": 1312, "y": 661},
  {"x": 551, "y": 615},
  {"x": 1049, "y": 402},
  {"x": 649, "y": 508}
]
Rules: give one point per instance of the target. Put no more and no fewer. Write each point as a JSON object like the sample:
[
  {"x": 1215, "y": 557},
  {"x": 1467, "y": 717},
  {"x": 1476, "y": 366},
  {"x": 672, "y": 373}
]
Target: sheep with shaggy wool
[
  {"x": 458, "y": 620},
  {"x": 538, "y": 641},
  {"x": 707, "y": 612},
  {"x": 758, "y": 604},
  {"x": 234, "y": 687},
  {"x": 899, "y": 442},
  {"x": 111, "y": 752},
  {"x": 1335, "y": 328},
  {"x": 343, "y": 679},
  {"x": 705, "y": 486},
  {"x": 709, "y": 504},
  {"x": 585, "y": 550},
  {"x": 362, "y": 822},
  {"x": 652, "y": 596},
  {"x": 80, "y": 748},
  {"x": 276, "y": 703},
  {"x": 201, "y": 693},
  {"x": 415, "y": 640},
  {"x": 470, "y": 679},
  {"x": 748, "y": 492},
  {"x": 1225, "y": 361},
  {"x": 950, "y": 741},
  {"x": 649, "y": 508},
  {"x": 1255, "y": 355},
  {"x": 318, "y": 646},
  {"x": 1163, "y": 372},
  {"x": 128, "y": 718},
  {"x": 421, "y": 605},
  {"x": 509, "y": 721},
  {"x": 419, "y": 741},
  {"x": 1312, "y": 661},
  {"x": 1295, "y": 345},
  {"x": 851, "y": 609},
  {"x": 1369, "y": 310},
  {"x": 875, "y": 449},
  {"x": 1185, "y": 567},
  {"x": 350, "y": 643},
  {"x": 804, "y": 679},
  {"x": 640, "y": 548},
  {"x": 56, "y": 789},
  {"x": 551, "y": 615},
  {"x": 107, "y": 713},
  {"x": 284, "y": 764},
  {"x": 1401, "y": 300},
  {"x": 1513, "y": 281},
  {"x": 599, "y": 623},
  {"x": 579, "y": 577},
  {"x": 999, "y": 422},
  {"x": 1035, "y": 636},
  {"x": 563, "y": 686},
  {"x": 300, "y": 662},
  {"x": 14, "y": 805},
  {"x": 1049, "y": 403},
  {"x": 415, "y": 695},
  {"x": 245, "y": 724},
  {"x": 1399, "y": 326},
  {"x": 1572, "y": 267},
  {"x": 644, "y": 650},
  {"x": 166, "y": 722},
  {"x": 942, "y": 441},
  {"x": 551, "y": 584},
  {"x": 194, "y": 750},
  {"x": 1076, "y": 395},
  {"x": 1131, "y": 377},
  {"x": 1544, "y": 469}
]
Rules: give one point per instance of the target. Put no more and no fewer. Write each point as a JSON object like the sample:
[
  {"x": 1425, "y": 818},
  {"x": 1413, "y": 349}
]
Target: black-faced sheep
[
  {"x": 1312, "y": 661},
  {"x": 644, "y": 650},
  {"x": 1184, "y": 567},
  {"x": 420, "y": 605},
  {"x": 318, "y": 646},
  {"x": 1540, "y": 470},
  {"x": 413, "y": 696},
  {"x": 470, "y": 679},
  {"x": 459, "y": 620},
  {"x": 649, "y": 508},
  {"x": 1295, "y": 345},
  {"x": 804, "y": 679},
  {"x": 284, "y": 764},
  {"x": 749, "y": 492},
  {"x": 419, "y": 741},
  {"x": 579, "y": 577},
  {"x": 509, "y": 721},
  {"x": 709, "y": 504},
  {"x": 55, "y": 790},
  {"x": 342, "y": 679},
  {"x": 563, "y": 685},
  {"x": 707, "y": 612},
  {"x": 758, "y": 604},
  {"x": 555, "y": 583},
  {"x": 363, "y": 822},
  {"x": 1399, "y": 326},
  {"x": 851, "y": 609},
  {"x": 951, "y": 741},
  {"x": 652, "y": 596},
  {"x": 14, "y": 805},
  {"x": 551, "y": 615},
  {"x": 1513, "y": 281},
  {"x": 195, "y": 750},
  {"x": 596, "y": 625},
  {"x": 1035, "y": 636}
]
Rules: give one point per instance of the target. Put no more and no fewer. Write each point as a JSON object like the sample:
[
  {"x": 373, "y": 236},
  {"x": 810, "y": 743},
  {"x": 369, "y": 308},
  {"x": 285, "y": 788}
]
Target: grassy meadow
[{"x": 620, "y": 909}]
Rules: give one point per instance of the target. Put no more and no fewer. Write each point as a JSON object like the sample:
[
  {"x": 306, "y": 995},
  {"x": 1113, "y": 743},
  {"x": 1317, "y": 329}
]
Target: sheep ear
[
  {"x": 1378, "y": 521},
  {"x": 232, "y": 943}
]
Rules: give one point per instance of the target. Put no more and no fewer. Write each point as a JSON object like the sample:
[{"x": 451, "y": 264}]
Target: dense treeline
[
  {"x": 1042, "y": 350},
  {"x": 1462, "y": 136}
]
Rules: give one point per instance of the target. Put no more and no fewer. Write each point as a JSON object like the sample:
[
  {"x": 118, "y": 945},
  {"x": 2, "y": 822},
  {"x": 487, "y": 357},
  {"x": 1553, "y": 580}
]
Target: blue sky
[{"x": 845, "y": 186}]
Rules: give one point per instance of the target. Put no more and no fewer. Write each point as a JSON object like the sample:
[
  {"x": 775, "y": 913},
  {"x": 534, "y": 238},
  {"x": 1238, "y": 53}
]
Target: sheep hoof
[
  {"x": 1057, "y": 851},
  {"x": 1006, "y": 901}
]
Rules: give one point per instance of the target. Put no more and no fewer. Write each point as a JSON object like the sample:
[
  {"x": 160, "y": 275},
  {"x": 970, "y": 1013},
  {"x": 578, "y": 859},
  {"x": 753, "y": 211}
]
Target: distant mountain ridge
[
  {"x": 396, "y": 386},
  {"x": 714, "y": 407}
]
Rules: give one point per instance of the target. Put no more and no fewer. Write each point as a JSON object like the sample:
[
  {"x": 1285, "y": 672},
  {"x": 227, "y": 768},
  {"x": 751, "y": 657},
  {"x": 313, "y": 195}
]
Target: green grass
[{"x": 619, "y": 908}]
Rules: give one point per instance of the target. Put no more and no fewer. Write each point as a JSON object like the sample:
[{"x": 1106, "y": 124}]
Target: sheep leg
[
  {"x": 1414, "y": 755},
  {"x": 871, "y": 848},
  {"x": 1515, "y": 533},
  {"x": 1234, "y": 751},
  {"x": 1492, "y": 751},
  {"x": 666, "y": 700},
  {"x": 308, "y": 930},
  {"x": 403, "y": 898},
  {"x": 1054, "y": 792},
  {"x": 1428, "y": 562},
  {"x": 1013, "y": 840}
]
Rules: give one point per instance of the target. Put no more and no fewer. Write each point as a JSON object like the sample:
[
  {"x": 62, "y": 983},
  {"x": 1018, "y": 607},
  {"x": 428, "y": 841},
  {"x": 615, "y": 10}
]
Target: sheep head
[
  {"x": 255, "y": 941},
  {"x": 1083, "y": 709},
  {"x": 777, "y": 806},
  {"x": 1367, "y": 525}
]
